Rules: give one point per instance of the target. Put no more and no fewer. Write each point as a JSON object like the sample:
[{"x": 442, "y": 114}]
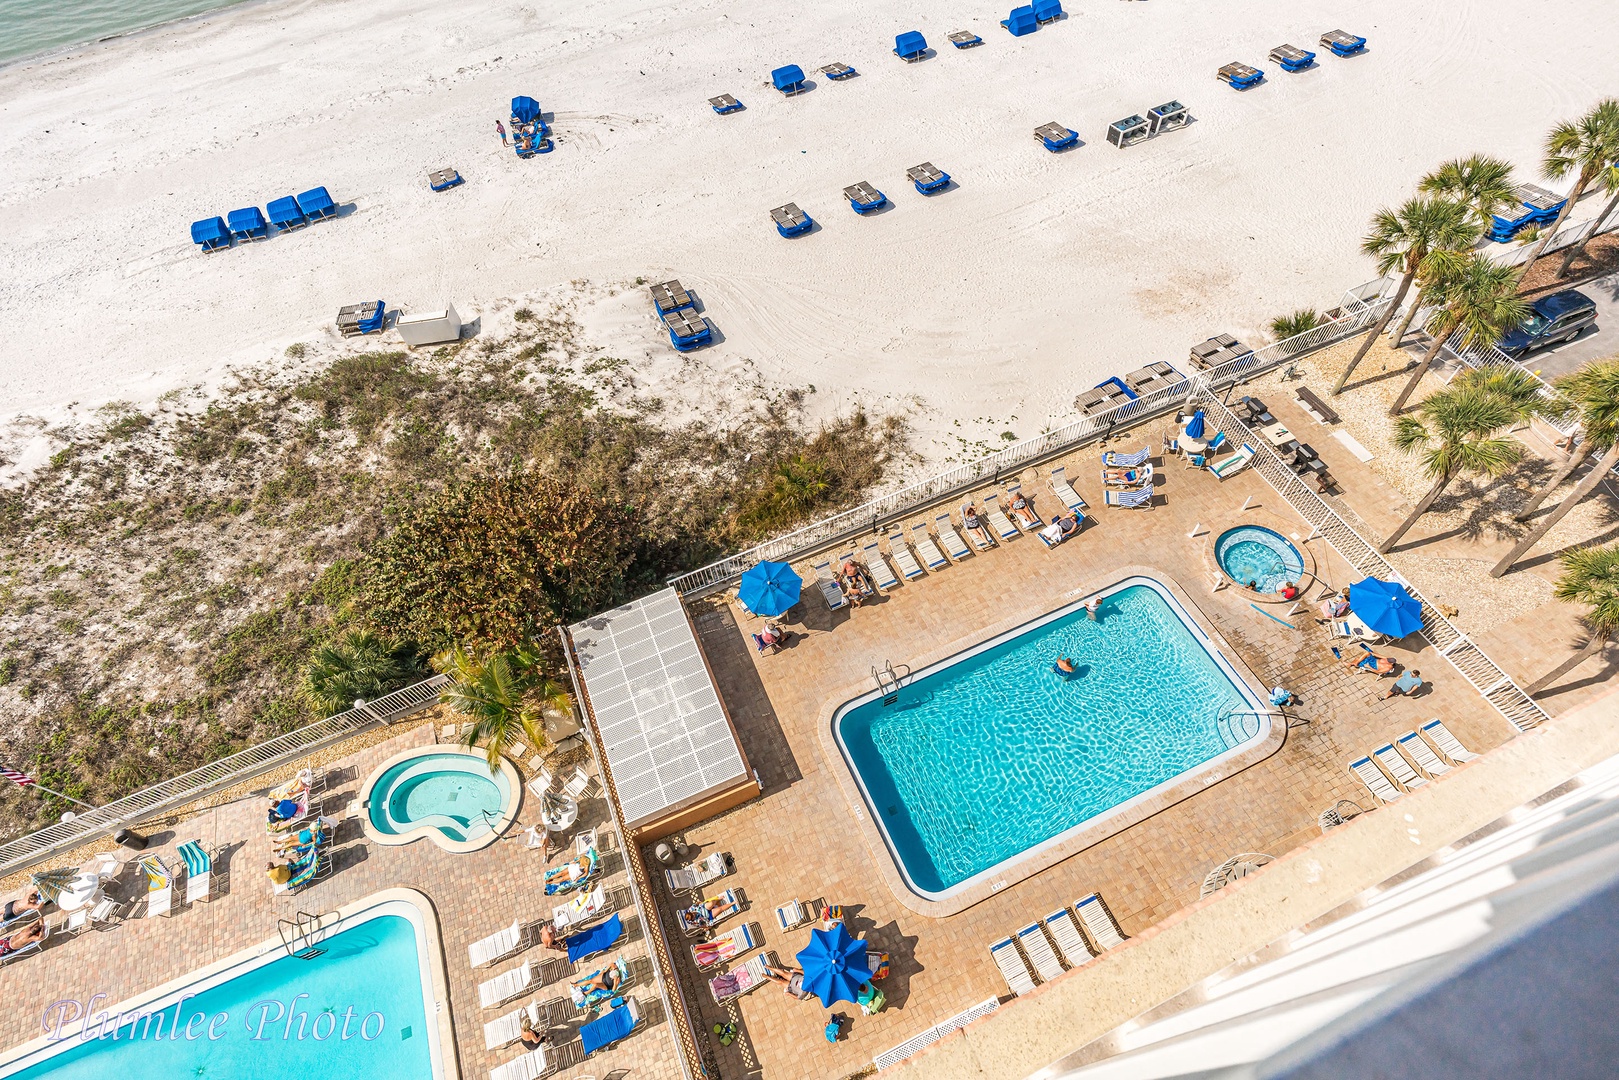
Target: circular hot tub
[
  {"x": 1259, "y": 559},
  {"x": 448, "y": 794}
]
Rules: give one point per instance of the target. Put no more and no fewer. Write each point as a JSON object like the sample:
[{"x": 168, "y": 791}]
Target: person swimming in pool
[{"x": 1065, "y": 667}]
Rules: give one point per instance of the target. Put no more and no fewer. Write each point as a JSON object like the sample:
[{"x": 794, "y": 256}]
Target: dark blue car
[{"x": 1552, "y": 320}]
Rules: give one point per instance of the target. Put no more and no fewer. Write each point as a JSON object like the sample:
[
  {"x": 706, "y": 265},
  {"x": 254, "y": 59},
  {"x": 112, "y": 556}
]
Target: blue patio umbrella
[
  {"x": 1194, "y": 426},
  {"x": 769, "y": 588},
  {"x": 834, "y": 965},
  {"x": 1386, "y": 607}
]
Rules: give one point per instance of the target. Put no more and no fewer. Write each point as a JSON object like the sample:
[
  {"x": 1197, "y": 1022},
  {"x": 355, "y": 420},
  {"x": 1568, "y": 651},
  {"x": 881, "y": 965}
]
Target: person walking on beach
[{"x": 502, "y": 129}]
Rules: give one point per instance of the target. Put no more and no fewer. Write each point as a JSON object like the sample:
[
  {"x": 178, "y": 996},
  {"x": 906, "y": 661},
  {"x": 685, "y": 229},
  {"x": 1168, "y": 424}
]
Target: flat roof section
[{"x": 668, "y": 742}]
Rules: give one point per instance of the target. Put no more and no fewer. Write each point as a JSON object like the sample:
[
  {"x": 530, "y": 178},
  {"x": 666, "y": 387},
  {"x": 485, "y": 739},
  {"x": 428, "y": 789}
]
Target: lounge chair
[
  {"x": 792, "y": 915},
  {"x": 1240, "y": 76},
  {"x": 901, "y": 552},
  {"x": 587, "y": 1000},
  {"x": 997, "y": 517},
  {"x": 105, "y": 910},
  {"x": 698, "y": 875},
  {"x": 695, "y": 920},
  {"x": 443, "y": 179},
  {"x": 739, "y": 980},
  {"x": 598, "y": 939},
  {"x": 1060, "y": 487},
  {"x": 1126, "y": 461},
  {"x": 159, "y": 885},
  {"x": 1421, "y": 754},
  {"x": 725, "y": 103},
  {"x": 285, "y": 215},
  {"x": 837, "y": 71},
  {"x": 1038, "y": 950},
  {"x": 1398, "y": 767},
  {"x": 609, "y": 1029},
  {"x": 1027, "y": 518},
  {"x": 505, "y": 1030},
  {"x": 1375, "y": 781},
  {"x": 581, "y": 909},
  {"x": 831, "y": 591},
  {"x": 910, "y": 46},
  {"x": 1046, "y": 11},
  {"x": 1021, "y": 21},
  {"x": 725, "y": 947},
  {"x": 922, "y": 541},
  {"x": 1292, "y": 58},
  {"x": 577, "y": 784},
  {"x": 1052, "y": 535},
  {"x": 30, "y": 948},
  {"x": 864, "y": 198},
  {"x": 791, "y": 221},
  {"x": 1127, "y": 478},
  {"x": 927, "y": 178},
  {"x": 1234, "y": 464},
  {"x": 1351, "y": 627},
  {"x": 199, "y": 871},
  {"x": 317, "y": 204},
  {"x": 858, "y": 583},
  {"x": 881, "y": 575},
  {"x": 964, "y": 39},
  {"x": 497, "y": 946},
  {"x": 789, "y": 79},
  {"x": 1070, "y": 943},
  {"x": 1437, "y": 733},
  {"x": 247, "y": 224},
  {"x": 303, "y": 872},
  {"x": 210, "y": 234},
  {"x": 531, "y": 1066},
  {"x": 1099, "y": 921},
  {"x": 950, "y": 538},
  {"x": 507, "y": 985},
  {"x": 1055, "y": 136},
  {"x": 1343, "y": 43},
  {"x": 1013, "y": 969},
  {"x": 1140, "y": 499}
]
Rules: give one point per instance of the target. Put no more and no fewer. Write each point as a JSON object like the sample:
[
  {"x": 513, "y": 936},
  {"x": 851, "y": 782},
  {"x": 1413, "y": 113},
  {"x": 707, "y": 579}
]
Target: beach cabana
[
  {"x": 910, "y": 46},
  {"x": 687, "y": 329},
  {"x": 1055, "y": 136},
  {"x": 1126, "y": 132},
  {"x": 443, "y": 179},
  {"x": 1047, "y": 11},
  {"x": 789, "y": 79},
  {"x": 670, "y": 296},
  {"x": 210, "y": 234},
  {"x": 864, "y": 198},
  {"x": 791, "y": 221},
  {"x": 1343, "y": 43},
  {"x": 285, "y": 215},
  {"x": 525, "y": 110},
  {"x": 1021, "y": 21},
  {"x": 837, "y": 72},
  {"x": 316, "y": 204},
  {"x": 248, "y": 224},
  {"x": 1171, "y": 114},
  {"x": 928, "y": 178},
  {"x": 1241, "y": 76},
  {"x": 1292, "y": 58},
  {"x": 964, "y": 39}
]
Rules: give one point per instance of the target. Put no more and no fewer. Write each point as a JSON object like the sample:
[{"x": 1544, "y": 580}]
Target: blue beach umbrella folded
[
  {"x": 1194, "y": 426},
  {"x": 769, "y": 588},
  {"x": 834, "y": 965},
  {"x": 1386, "y": 607}
]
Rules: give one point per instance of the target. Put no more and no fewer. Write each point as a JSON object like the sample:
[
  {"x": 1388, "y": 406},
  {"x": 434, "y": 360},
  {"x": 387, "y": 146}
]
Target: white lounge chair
[
  {"x": 723, "y": 948},
  {"x": 1127, "y": 478},
  {"x": 979, "y": 542},
  {"x": 950, "y": 538},
  {"x": 1437, "y": 733},
  {"x": 509, "y": 1028},
  {"x": 831, "y": 591},
  {"x": 740, "y": 980},
  {"x": 1421, "y": 754},
  {"x": 1013, "y": 969},
  {"x": 541, "y": 783},
  {"x": 159, "y": 885},
  {"x": 578, "y": 783},
  {"x": 1033, "y": 521},
  {"x": 1058, "y": 482},
  {"x": 1398, "y": 767},
  {"x": 908, "y": 566},
  {"x": 581, "y": 909},
  {"x": 1038, "y": 950},
  {"x": 1099, "y": 921},
  {"x": 507, "y": 985},
  {"x": 1069, "y": 942},
  {"x": 1375, "y": 781},
  {"x": 922, "y": 541},
  {"x": 1230, "y": 466},
  {"x": 1112, "y": 460},
  {"x": 531, "y": 1066},
  {"x": 1139, "y": 499},
  {"x": 997, "y": 517},
  {"x": 881, "y": 575},
  {"x": 28, "y": 949},
  {"x": 792, "y": 915},
  {"x": 698, "y": 875},
  {"x": 496, "y": 946}
]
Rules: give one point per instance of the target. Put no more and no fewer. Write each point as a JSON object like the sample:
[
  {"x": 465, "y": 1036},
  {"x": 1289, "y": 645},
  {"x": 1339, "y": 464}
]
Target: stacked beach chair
[
  {"x": 928, "y": 178},
  {"x": 1292, "y": 58},
  {"x": 791, "y": 221},
  {"x": 687, "y": 329},
  {"x": 864, "y": 198},
  {"x": 725, "y": 104},
  {"x": 1055, "y": 136},
  {"x": 1343, "y": 43},
  {"x": 356, "y": 319},
  {"x": 443, "y": 179},
  {"x": 1240, "y": 76}
]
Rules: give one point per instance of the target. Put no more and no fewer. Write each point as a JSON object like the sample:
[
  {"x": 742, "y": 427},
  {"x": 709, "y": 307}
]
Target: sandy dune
[{"x": 1037, "y": 276}]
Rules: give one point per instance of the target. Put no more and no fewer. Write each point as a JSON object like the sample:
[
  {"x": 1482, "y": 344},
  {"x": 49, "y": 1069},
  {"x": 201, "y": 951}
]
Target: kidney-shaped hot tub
[{"x": 446, "y": 793}]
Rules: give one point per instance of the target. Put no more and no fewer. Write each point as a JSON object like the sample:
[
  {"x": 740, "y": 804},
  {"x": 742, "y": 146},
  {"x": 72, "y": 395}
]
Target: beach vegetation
[
  {"x": 358, "y": 665},
  {"x": 295, "y": 351},
  {"x": 506, "y": 694},
  {"x": 1482, "y": 183},
  {"x": 1299, "y": 322},
  {"x": 1590, "y": 577},
  {"x": 1476, "y": 296},
  {"x": 1588, "y": 148}
]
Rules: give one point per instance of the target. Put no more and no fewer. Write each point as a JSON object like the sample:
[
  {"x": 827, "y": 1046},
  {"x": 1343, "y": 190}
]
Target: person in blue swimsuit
[{"x": 1065, "y": 667}]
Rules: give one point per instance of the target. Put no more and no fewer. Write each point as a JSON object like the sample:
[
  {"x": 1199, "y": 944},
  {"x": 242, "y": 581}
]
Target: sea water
[{"x": 34, "y": 26}]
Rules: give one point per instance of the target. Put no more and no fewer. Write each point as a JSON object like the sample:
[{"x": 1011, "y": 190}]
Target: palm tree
[
  {"x": 358, "y": 665},
  {"x": 1480, "y": 299},
  {"x": 506, "y": 696},
  {"x": 1590, "y": 577},
  {"x": 1588, "y": 145},
  {"x": 1419, "y": 240},
  {"x": 1457, "y": 430},
  {"x": 1610, "y": 184},
  {"x": 1481, "y": 183},
  {"x": 1594, "y": 391}
]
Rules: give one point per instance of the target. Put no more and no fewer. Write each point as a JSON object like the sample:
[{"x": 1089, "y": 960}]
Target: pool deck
[{"x": 805, "y": 839}]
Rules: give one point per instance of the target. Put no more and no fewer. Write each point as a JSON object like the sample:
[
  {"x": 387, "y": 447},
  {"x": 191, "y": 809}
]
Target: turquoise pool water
[
  {"x": 1250, "y": 553},
  {"x": 372, "y": 973},
  {"x": 454, "y": 793},
  {"x": 991, "y": 754}
]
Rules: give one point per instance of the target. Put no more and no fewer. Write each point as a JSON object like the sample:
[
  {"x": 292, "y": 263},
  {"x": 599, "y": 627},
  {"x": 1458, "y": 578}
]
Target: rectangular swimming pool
[{"x": 991, "y": 755}]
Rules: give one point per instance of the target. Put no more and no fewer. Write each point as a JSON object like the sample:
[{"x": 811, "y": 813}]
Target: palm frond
[
  {"x": 1591, "y": 577},
  {"x": 1594, "y": 391}
]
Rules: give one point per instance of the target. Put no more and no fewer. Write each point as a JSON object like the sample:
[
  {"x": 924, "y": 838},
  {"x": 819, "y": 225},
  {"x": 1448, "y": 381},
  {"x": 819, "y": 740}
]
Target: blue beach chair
[
  {"x": 443, "y": 179},
  {"x": 1055, "y": 136},
  {"x": 530, "y": 133},
  {"x": 609, "y": 1029},
  {"x": 1047, "y": 11},
  {"x": 864, "y": 198},
  {"x": 789, "y": 80},
  {"x": 1343, "y": 43},
  {"x": 1240, "y": 76},
  {"x": 248, "y": 224},
  {"x": 687, "y": 329},
  {"x": 598, "y": 939},
  {"x": 525, "y": 110},
  {"x": 317, "y": 205},
  {"x": 725, "y": 103},
  {"x": 964, "y": 39},
  {"x": 210, "y": 234},
  {"x": 1021, "y": 21},
  {"x": 285, "y": 215},
  {"x": 910, "y": 46},
  {"x": 791, "y": 221},
  {"x": 928, "y": 178},
  {"x": 1293, "y": 59},
  {"x": 670, "y": 296}
]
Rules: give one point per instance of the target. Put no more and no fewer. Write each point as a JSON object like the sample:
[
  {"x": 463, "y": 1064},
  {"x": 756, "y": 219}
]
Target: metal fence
[
  {"x": 1567, "y": 236},
  {"x": 148, "y": 802},
  {"x": 1357, "y": 313}
]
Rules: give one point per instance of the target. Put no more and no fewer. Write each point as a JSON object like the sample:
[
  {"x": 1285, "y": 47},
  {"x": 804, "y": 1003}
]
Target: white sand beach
[{"x": 1038, "y": 275}]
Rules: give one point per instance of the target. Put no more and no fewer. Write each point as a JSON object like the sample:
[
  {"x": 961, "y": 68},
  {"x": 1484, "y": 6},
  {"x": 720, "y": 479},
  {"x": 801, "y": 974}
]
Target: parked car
[{"x": 1552, "y": 320}]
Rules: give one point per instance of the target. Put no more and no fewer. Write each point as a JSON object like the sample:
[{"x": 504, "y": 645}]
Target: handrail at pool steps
[
  {"x": 1222, "y": 725},
  {"x": 26, "y": 851},
  {"x": 1482, "y": 673},
  {"x": 1356, "y": 314}
]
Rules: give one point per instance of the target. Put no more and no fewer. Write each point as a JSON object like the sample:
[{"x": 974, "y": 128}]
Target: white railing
[
  {"x": 1567, "y": 236},
  {"x": 872, "y": 515},
  {"x": 35, "y": 847},
  {"x": 889, "y": 1058}
]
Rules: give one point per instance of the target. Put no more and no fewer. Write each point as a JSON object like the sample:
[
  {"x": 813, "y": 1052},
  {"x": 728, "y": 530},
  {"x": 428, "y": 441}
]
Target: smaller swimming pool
[
  {"x": 1258, "y": 558},
  {"x": 446, "y": 793}
]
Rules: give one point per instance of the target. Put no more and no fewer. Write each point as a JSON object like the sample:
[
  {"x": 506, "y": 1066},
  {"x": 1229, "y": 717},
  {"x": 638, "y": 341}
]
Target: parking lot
[{"x": 1598, "y": 341}]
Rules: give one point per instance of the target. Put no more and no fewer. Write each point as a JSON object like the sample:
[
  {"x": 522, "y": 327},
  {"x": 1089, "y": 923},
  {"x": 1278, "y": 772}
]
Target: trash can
[{"x": 132, "y": 840}]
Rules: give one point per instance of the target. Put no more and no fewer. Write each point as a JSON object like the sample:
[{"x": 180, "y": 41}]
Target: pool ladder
[
  {"x": 888, "y": 680},
  {"x": 302, "y": 935}
]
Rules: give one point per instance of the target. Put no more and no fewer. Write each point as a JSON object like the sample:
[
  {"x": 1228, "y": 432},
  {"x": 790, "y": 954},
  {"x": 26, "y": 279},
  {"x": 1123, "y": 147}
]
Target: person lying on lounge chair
[
  {"x": 31, "y": 901},
  {"x": 1333, "y": 607},
  {"x": 712, "y": 910},
  {"x": 280, "y": 873},
  {"x": 1370, "y": 661},
  {"x": 605, "y": 979},
  {"x": 974, "y": 524},
  {"x": 1020, "y": 509},
  {"x": 300, "y": 842},
  {"x": 34, "y": 931},
  {"x": 1060, "y": 529},
  {"x": 858, "y": 579},
  {"x": 791, "y": 979},
  {"x": 282, "y": 810},
  {"x": 773, "y": 637},
  {"x": 1406, "y": 684}
]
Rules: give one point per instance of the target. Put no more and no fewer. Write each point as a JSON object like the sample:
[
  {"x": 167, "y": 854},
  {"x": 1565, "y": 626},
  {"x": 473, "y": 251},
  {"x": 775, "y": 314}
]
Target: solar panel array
[{"x": 662, "y": 727}]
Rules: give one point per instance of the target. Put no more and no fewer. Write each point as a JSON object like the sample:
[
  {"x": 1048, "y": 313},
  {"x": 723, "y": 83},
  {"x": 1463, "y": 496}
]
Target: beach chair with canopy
[
  {"x": 928, "y": 178},
  {"x": 248, "y": 224},
  {"x": 1021, "y": 21},
  {"x": 210, "y": 234},
  {"x": 285, "y": 215},
  {"x": 791, "y": 221},
  {"x": 1047, "y": 11},
  {"x": 1292, "y": 58},
  {"x": 788, "y": 79},
  {"x": 609, "y": 1029},
  {"x": 964, "y": 39},
  {"x": 724, "y": 104},
  {"x": 864, "y": 198},
  {"x": 530, "y": 133},
  {"x": 838, "y": 71},
  {"x": 910, "y": 46},
  {"x": 1240, "y": 76},
  {"x": 1343, "y": 43},
  {"x": 317, "y": 204},
  {"x": 1055, "y": 136},
  {"x": 1127, "y": 132},
  {"x": 525, "y": 110}
]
